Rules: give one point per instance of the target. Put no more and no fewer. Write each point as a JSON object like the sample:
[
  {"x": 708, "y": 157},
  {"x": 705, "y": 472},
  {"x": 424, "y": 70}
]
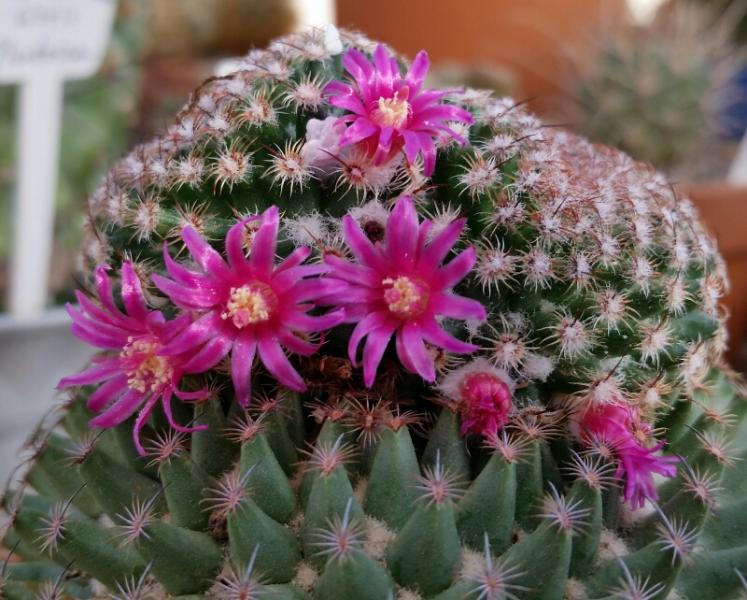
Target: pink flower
[
  {"x": 248, "y": 306},
  {"x": 398, "y": 287},
  {"x": 137, "y": 376},
  {"x": 389, "y": 112},
  {"x": 614, "y": 424}
]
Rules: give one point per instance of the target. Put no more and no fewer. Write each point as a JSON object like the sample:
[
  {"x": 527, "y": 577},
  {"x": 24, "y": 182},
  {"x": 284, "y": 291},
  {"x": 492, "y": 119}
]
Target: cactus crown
[{"x": 361, "y": 339}]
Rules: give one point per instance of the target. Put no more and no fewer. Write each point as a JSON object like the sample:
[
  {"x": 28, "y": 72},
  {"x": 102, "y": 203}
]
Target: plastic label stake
[{"x": 43, "y": 43}]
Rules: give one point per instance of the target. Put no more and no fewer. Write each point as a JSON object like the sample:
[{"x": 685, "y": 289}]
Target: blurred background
[{"x": 664, "y": 80}]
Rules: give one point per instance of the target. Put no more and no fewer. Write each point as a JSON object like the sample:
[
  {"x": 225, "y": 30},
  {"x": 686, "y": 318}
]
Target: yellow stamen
[
  {"x": 146, "y": 371},
  {"x": 393, "y": 112},
  {"x": 405, "y": 297},
  {"x": 248, "y": 304}
]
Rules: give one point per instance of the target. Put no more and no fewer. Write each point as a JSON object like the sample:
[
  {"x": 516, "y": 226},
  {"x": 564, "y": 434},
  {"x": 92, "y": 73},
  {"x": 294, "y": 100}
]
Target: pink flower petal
[
  {"x": 402, "y": 233},
  {"x": 294, "y": 259},
  {"x": 97, "y": 313},
  {"x": 413, "y": 146},
  {"x": 304, "y": 323},
  {"x": 104, "y": 291},
  {"x": 107, "y": 393},
  {"x": 376, "y": 344},
  {"x": 121, "y": 410},
  {"x": 197, "y": 333},
  {"x": 104, "y": 334},
  {"x": 296, "y": 345},
  {"x": 387, "y": 136},
  {"x": 140, "y": 421},
  {"x": 201, "y": 394},
  {"x": 370, "y": 322},
  {"x": 235, "y": 244},
  {"x": 382, "y": 63},
  {"x": 166, "y": 404},
  {"x": 404, "y": 357},
  {"x": 277, "y": 363},
  {"x": 189, "y": 297},
  {"x": 358, "y": 274},
  {"x": 208, "y": 355},
  {"x": 412, "y": 343},
  {"x": 343, "y": 97},
  {"x": 205, "y": 255},
  {"x": 262, "y": 256},
  {"x": 99, "y": 340},
  {"x": 457, "y": 269},
  {"x": 418, "y": 70},
  {"x": 181, "y": 274},
  {"x": 242, "y": 358},
  {"x": 457, "y": 307},
  {"x": 357, "y": 65},
  {"x": 439, "y": 248},
  {"x": 437, "y": 336},
  {"x": 361, "y": 129},
  {"x": 361, "y": 246},
  {"x": 132, "y": 293},
  {"x": 96, "y": 373}
]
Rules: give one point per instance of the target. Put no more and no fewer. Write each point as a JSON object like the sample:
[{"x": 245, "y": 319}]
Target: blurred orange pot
[
  {"x": 724, "y": 210},
  {"x": 531, "y": 39}
]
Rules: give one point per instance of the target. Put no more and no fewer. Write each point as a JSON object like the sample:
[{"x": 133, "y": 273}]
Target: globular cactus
[{"x": 363, "y": 340}]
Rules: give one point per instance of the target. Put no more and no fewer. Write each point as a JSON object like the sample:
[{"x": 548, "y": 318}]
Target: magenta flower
[
  {"x": 248, "y": 306},
  {"x": 398, "y": 287},
  {"x": 613, "y": 424},
  {"x": 389, "y": 112},
  {"x": 136, "y": 376}
]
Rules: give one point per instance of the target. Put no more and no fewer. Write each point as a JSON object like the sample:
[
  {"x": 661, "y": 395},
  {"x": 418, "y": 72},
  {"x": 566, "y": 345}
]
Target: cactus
[
  {"x": 656, "y": 93},
  {"x": 365, "y": 340}
]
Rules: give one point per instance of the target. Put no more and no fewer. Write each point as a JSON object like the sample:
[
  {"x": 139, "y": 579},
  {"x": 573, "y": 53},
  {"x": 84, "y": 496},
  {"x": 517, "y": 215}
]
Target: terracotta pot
[
  {"x": 724, "y": 210},
  {"x": 532, "y": 38}
]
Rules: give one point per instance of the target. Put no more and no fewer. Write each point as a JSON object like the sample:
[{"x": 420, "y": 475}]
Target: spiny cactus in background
[
  {"x": 659, "y": 91},
  {"x": 361, "y": 339}
]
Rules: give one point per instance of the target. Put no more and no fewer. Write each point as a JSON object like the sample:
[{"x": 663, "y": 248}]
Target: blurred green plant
[
  {"x": 96, "y": 117},
  {"x": 657, "y": 91}
]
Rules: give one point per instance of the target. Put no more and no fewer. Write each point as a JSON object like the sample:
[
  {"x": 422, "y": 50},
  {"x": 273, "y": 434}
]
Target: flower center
[
  {"x": 146, "y": 371},
  {"x": 405, "y": 297},
  {"x": 393, "y": 112},
  {"x": 249, "y": 304}
]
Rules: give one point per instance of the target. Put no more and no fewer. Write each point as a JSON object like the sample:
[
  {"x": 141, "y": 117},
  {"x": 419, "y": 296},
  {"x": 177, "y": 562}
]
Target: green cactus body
[{"x": 519, "y": 467}]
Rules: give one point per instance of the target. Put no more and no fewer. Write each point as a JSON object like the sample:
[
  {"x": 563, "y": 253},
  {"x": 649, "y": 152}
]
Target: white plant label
[
  {"x": 42, "y": 44},
  {"x": 60, "y": 39}
]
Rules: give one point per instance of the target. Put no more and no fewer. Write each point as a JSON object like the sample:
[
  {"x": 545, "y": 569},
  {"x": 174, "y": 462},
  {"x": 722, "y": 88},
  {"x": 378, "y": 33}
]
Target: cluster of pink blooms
[
  {"x": 614, "y": 424},
  {"x": 249, "y": 306}
]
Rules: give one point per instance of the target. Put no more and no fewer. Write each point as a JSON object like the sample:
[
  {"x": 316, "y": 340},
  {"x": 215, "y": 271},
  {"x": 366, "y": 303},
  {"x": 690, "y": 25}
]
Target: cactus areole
[{"x": 361, "y": 339}]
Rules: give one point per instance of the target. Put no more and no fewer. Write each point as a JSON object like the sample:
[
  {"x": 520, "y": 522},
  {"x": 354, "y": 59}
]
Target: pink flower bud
[{"x": 486, "y": 402}]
